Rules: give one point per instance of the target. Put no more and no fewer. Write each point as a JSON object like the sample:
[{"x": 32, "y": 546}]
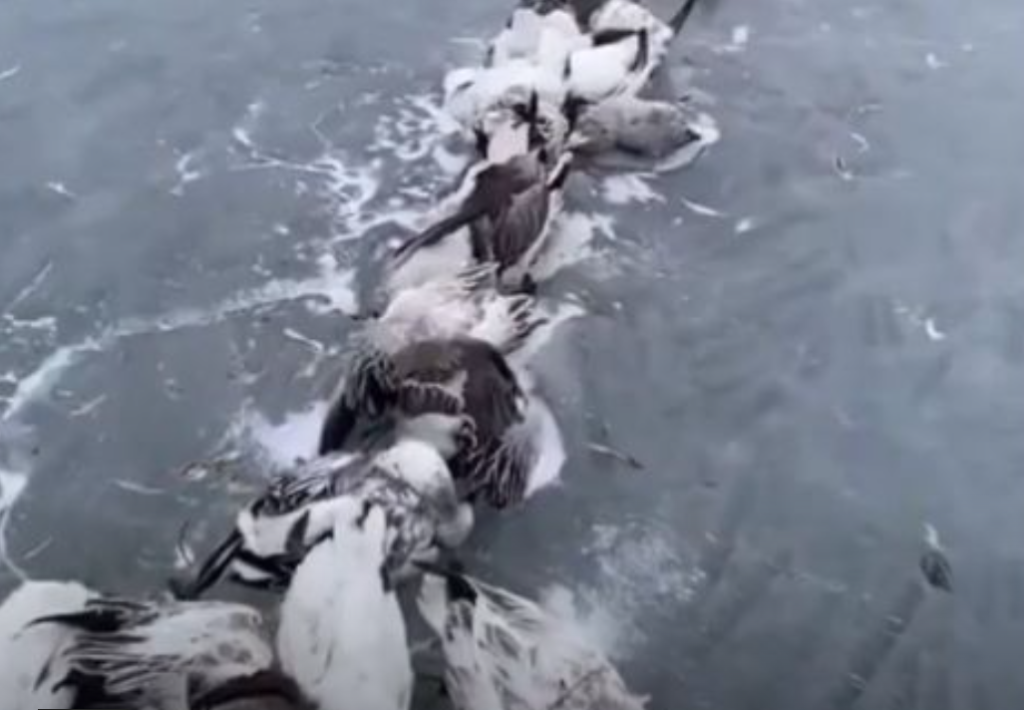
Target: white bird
[
  {"x": 27, "y": 650},
  {"x": 119, "y": 653},
  {"x": 342, "y": 635},
  {"x": 543, "y": 36},
  {"x": 410, "y": 481},
  {"x": 506, "y": 219},
  {"x": 504, "y": 652},
  {"x": 628, "y": 44}
]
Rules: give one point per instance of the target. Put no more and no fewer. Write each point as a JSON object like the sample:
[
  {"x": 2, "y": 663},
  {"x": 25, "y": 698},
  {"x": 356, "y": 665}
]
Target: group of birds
[{"x": 436, "y": 415}]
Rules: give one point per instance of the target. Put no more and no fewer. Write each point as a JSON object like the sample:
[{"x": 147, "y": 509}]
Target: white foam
[
  {"x": 185, "y": 171},
  {"x": 640, "y": 570},
  {"x": 40, "y": 382},
  {"x": 740, "y": 36},
  {"x": 932, "y": 60},
  {"x": 333, "y": 287},
  {"x": 295, "y": 437},
  {"x": 60, "y": 189},
  {"x": 932, "y": 330},
  {"x": 10, "y": 72},
  {"x": 571, "y": 242},
  {"x": 629, "y": 188},
  {"x": 593, "y": 624},
  {"x": 12, "y": 485},
  {"x": 744, "y": 225}
]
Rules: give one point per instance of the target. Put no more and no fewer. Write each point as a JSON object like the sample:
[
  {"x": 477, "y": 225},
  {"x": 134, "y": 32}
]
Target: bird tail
[{"x": 681, "y": 16}]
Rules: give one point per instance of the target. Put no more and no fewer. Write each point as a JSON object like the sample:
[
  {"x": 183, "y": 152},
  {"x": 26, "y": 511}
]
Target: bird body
[
  {"x": 342, "y": 636},
  {"x": 628, "y": 42},
  {"x": 131, "y": 654},
  {"x": 409, "y": 481},
  {"x": 26, "y": 650},
  {"x": 506, "y": 217},
  {"x": 545, "y": 39}
]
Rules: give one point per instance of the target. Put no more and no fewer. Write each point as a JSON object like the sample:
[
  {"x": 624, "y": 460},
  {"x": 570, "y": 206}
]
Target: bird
[
  {"x": 628, "y": 42},
  {"x": 437, "y": 335},
  {"x": 28, "y": 650},
  {"x": 470, "y": 92},
  {"x": 409, "y": 480},
  {"x": 504, "y": 652},
  {"x": 127, "y": 654},
  {"x": 464, "y": 398},
  {"x": 544, "y": 34},
  {"x": 637, "y": 127},
  {"x": 506, "y": 219},
  {"x": 342, "y": 635}
]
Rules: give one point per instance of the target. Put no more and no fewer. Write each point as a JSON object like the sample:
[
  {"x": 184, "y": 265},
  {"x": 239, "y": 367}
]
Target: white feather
[
  {"x": 342, "y": 636},
  {"x": 421, "y": 465},
  {"x": 608, "y": 70},
  {"x": 545, "y": 40},
  {"x": 504, "y": 651},
  {"x": 25, "y": 652}
]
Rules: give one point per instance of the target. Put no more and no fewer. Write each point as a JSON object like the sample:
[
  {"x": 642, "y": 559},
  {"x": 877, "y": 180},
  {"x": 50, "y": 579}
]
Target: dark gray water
[{"x": 810, "y": 375}]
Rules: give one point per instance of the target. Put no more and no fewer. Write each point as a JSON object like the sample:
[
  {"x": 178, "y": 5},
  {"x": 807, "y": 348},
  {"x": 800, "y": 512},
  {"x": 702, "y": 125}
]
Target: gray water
[{"x": 810, "y": 375}]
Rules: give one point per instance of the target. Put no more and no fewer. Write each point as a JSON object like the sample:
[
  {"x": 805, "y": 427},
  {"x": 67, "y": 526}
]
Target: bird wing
[
  {"x": 521, "y": 224},
  {"x": 490, "y": 393},
  {"x": 368, "y": 393}
]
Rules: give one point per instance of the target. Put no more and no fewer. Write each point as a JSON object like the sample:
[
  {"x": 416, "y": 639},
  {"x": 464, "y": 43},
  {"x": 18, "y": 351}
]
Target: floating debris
[
  {"x": 61, "y": 189},
  {"x": 935, "y": 566},
  {"x": 619, "y": 456},
  {"x": 133, "y": 487},
  {"x": 841, "y": 168},
  {"x": 184, "y": 557},
  {"x": 198, "y": 470},
  {"x": 703, "y": 210}
]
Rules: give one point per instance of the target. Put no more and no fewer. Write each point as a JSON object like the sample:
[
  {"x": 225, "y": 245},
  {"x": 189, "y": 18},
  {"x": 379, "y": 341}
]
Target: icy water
[{"x": 812, "y": 339}]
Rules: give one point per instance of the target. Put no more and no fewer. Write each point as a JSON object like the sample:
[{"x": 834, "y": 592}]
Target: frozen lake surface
[{"x": 813, "y": 338}]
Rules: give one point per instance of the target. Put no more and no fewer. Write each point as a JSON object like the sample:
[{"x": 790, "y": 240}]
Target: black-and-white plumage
[
  {"x": 127, "y": 654},
  {"x": 342, "y": 635},
  {"x": 31, "y": 653},
  {"x": 433, "y": 346},
  {"x": 504, "y": 652},
  {"x": 505, "y": 219},
  {"x": 409, "y": 481}
]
